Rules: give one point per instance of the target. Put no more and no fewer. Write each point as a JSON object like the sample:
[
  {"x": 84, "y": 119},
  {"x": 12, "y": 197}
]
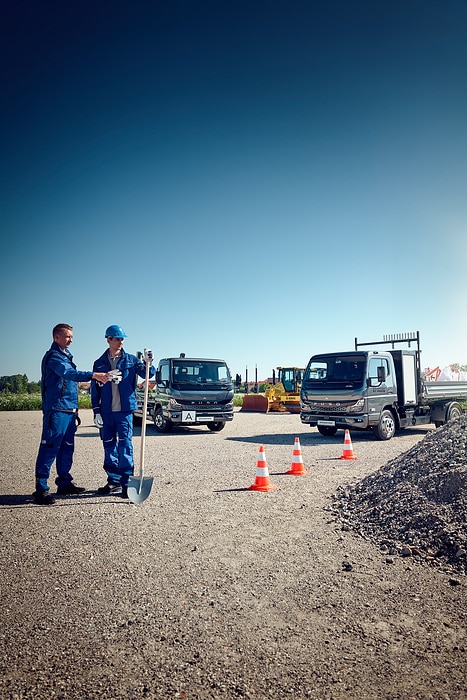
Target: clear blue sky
[{"x": 246, "y": 180}]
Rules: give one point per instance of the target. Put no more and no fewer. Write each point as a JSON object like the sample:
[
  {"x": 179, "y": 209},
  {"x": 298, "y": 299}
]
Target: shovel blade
[{"x": 139, "y": 489}]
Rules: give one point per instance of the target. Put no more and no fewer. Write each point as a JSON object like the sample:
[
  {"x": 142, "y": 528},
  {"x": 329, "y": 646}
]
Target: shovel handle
[{"x": 143, "y": 425}]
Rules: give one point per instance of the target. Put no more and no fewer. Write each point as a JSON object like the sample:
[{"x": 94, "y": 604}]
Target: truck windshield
[
  {"x": 200, "y": 373},
  {"x": 335, "y": 371}
]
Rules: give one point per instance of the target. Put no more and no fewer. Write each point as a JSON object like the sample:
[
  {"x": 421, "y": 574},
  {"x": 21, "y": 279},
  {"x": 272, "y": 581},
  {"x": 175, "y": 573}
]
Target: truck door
[
  {"x": 379, "y": 392},
  {"x": 164, "y": 383},
  {"x": 164, "y": 369}
]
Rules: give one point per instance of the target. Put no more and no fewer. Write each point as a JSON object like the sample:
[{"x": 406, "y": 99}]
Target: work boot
[
  {"x": 43, "y": 498},
  {"x": 109, "y": 489},
  {"x": 70, "y": 490},
  {"x": 124, "y": 493}
]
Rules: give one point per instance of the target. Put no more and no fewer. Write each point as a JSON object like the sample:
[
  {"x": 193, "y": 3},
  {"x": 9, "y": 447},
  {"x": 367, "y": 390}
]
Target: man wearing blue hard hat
[{"x": 113, "y": 405}]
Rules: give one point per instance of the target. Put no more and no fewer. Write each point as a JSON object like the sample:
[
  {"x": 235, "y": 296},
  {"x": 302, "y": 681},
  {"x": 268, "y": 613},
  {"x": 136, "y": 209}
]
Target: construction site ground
[{"x": 209, "y": 590}]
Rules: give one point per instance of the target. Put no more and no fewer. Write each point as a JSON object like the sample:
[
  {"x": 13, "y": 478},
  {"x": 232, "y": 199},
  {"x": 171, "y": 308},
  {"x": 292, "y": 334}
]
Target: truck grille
[
  {"x": 328, "y": 408},
  {"x": 209, "y": 405}
]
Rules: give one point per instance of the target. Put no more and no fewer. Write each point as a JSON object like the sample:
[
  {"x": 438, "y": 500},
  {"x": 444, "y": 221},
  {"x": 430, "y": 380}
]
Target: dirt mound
[{"x": 416, "y": 504}]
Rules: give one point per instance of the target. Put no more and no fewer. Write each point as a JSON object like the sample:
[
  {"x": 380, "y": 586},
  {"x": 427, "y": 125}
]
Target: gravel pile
[{"x": 416, "y": 504}]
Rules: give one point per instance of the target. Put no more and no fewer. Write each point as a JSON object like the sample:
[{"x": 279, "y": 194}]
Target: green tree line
[
  {"x": 17, "y": 393},
  {"x": 19, "y": 384}
]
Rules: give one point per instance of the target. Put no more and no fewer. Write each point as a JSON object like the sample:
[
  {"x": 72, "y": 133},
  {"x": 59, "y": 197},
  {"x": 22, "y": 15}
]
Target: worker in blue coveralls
[
  {"x": 113, "y": 405},
  {"x": 59, "y": 386}
]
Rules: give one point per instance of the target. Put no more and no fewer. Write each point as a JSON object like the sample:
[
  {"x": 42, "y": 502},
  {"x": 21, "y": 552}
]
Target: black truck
[{"x": 189, "y": 391}]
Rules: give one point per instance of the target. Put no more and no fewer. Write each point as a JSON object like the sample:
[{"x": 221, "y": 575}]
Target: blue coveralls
[
  {"x": 117, "y": 431},
  {"x": 59, "y": 383}
]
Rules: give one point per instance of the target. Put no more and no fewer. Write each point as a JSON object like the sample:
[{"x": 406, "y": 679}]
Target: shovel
[{"x": 139, "y": 487}]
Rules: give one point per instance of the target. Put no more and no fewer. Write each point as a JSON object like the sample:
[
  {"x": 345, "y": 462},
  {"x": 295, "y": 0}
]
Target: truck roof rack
[{"x": 394, "y": 339}]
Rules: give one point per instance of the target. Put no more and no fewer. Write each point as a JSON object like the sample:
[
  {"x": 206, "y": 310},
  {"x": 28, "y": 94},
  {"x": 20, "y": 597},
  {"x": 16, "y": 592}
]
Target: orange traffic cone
[
  {"x": 262, "y": 475},
  {"x": 348, "y": 451},
  {"x": 297, "y": 468}
]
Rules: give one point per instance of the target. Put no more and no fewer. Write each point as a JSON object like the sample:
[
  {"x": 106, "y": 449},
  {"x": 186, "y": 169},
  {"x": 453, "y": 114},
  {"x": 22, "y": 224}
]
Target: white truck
[{"x": 382, "y": 391}]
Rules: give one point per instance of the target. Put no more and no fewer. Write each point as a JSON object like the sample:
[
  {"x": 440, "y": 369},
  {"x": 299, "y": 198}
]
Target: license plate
[
  {"x": 331, "y": 423},
  {"x": 204, "y": 418},
  {"x": 188, "y": 416}
]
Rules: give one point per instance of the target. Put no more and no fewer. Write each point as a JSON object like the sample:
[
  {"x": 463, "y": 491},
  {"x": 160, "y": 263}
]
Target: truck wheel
[
  {"x": 454, "y": 411},
  {"x": 215, "y": 426},
  {"x": 386, "y": 427},
  {"x": 327, "y": 430},
  {"x": 163, "y": 425}
]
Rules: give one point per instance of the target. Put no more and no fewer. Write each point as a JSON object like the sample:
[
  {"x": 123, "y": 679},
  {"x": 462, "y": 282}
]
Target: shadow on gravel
[
  {"x": 15, "y": 500},
  {"x": 231, "y": 490},
  {"x": 151, "y": 431},
  {"x": 314, "y": 438},
  {"x": 287, "y": 439},
  {"x": 21, "y": 500},
  {"x": 278, "y": 439}
]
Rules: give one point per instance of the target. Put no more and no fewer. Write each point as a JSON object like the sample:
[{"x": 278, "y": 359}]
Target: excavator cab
[{"x": 291, "y": 379}]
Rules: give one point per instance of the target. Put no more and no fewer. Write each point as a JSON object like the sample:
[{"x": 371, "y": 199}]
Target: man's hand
[
  {"x": 102, "y": 377},
  {"x": 98, "y": 422}
]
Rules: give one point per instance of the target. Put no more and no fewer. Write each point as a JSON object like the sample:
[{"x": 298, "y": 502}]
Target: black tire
[
  {"x": 327, "y": 430},
  {"x": 215, "y": 426},
  {"x": 438, "y": 423},
  {"x": 162, "y": 425},
  {"x": 386, "y": 427},
  {"x": 454, "y": 411}
]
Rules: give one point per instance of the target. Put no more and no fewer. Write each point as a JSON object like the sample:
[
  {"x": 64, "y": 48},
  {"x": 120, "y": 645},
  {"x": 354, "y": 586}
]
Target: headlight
[
  {"x": 356, "y": 407},
  {"x": 173, "y": 403},
  {"x": 228, "y": 406}
]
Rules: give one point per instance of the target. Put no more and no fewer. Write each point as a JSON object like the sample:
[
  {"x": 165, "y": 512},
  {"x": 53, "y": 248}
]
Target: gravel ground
[{"x": 209, "y": 590}]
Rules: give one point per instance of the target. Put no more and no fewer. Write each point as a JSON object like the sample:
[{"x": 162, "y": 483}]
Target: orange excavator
[{"x": 281, "y": 397}]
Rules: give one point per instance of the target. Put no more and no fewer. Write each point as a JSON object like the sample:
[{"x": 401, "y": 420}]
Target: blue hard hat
[{"x": 115, "y": 332}]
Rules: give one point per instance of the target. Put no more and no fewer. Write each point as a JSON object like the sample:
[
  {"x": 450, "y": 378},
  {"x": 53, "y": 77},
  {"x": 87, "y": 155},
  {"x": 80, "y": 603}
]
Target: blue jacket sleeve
[
  {"x": 95, "y": 393},
  {"x": 65, "y": 370}
]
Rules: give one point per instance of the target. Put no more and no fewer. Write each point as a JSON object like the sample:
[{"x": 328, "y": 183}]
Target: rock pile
[{"x": 416, "y": 505}]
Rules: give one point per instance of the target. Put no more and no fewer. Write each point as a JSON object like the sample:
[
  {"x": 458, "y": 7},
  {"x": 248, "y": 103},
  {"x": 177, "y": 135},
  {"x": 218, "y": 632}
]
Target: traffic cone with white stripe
[
  {"x": 262, "y": 482},
  {"x": 348, "y": 451},
  {"x": 297, "y": 468}
]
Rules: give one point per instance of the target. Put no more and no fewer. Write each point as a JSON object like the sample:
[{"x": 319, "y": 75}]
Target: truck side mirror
[
  {"x": 381, "y": 374},
  {"x": 158, "y": 376}
]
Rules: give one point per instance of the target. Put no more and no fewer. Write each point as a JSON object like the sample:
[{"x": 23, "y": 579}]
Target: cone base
[
  {"x": 351, "y": 457},
  {"x": 302, "y": 472},
  {"x": 254, "y": 487}
]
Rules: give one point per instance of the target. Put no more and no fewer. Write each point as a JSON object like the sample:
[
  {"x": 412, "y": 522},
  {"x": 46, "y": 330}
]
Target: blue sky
[{"x": 252, "y": 181}]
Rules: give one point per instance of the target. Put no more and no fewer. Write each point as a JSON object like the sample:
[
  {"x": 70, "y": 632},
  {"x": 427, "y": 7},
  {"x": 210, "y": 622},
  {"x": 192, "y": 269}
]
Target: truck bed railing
[{"x": 394, "y": 339}]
